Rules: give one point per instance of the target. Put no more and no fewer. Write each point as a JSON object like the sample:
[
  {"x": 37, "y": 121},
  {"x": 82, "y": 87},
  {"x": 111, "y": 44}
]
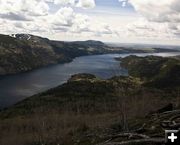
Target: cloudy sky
[{"x": 123, "y": 21}]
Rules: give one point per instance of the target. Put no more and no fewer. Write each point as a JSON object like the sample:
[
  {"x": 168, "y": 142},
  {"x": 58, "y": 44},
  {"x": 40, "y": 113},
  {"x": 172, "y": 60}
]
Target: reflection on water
[{"x": 17, "y": 87}]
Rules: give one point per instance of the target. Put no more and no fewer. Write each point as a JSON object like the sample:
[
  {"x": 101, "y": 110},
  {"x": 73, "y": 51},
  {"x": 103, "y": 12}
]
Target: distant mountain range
[{"x": 24, "y": 52}]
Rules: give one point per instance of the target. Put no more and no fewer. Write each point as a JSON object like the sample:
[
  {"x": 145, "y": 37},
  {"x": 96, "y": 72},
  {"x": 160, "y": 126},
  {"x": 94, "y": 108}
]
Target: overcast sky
[{"x": 123, "y": 21}]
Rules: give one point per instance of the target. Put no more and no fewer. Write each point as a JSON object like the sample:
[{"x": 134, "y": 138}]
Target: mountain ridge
[{"x": 25, "y": 52}]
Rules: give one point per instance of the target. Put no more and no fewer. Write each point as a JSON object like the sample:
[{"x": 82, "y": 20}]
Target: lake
[{"x": 14, "y": 88}]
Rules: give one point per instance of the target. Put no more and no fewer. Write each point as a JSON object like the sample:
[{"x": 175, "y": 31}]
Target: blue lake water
[{"x": 14, "y": 88}]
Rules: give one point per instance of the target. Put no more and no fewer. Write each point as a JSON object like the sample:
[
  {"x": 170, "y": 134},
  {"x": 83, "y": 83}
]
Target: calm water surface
[{"x": 18, "y": 87}]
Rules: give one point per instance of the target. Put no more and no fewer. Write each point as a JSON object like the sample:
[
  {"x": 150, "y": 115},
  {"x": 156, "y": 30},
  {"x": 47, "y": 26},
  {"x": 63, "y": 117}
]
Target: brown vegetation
[{"x": 82, "y": 111}]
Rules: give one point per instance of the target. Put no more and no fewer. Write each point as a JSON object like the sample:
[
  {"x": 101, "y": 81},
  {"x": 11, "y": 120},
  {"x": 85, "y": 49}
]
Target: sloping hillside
[
  {"x": 24, "y": 52},
  {"x": 154, "y": 71},
  {"x": 90, "y": 111}
]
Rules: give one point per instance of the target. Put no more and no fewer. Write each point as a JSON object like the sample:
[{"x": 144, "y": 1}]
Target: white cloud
[
  {"x": 35, "y": 16},
  {"x": 158, "y": 11},
  {"x": 22, "y": 9},
  {"x": 64, "y": 2},
  {"x": 76, "y": 3},
  {"x": 145, "y": 29},
  {"x": 64, "y": 16},
  {"x": 28, "y": 10},
  {"x": 66, "y": 20},
  {"x": 160, "y": 18},
  {"x": 86, "y": 3},
  {"x": 81, "y": 24},
  {"x": 123, "y": 2}
]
